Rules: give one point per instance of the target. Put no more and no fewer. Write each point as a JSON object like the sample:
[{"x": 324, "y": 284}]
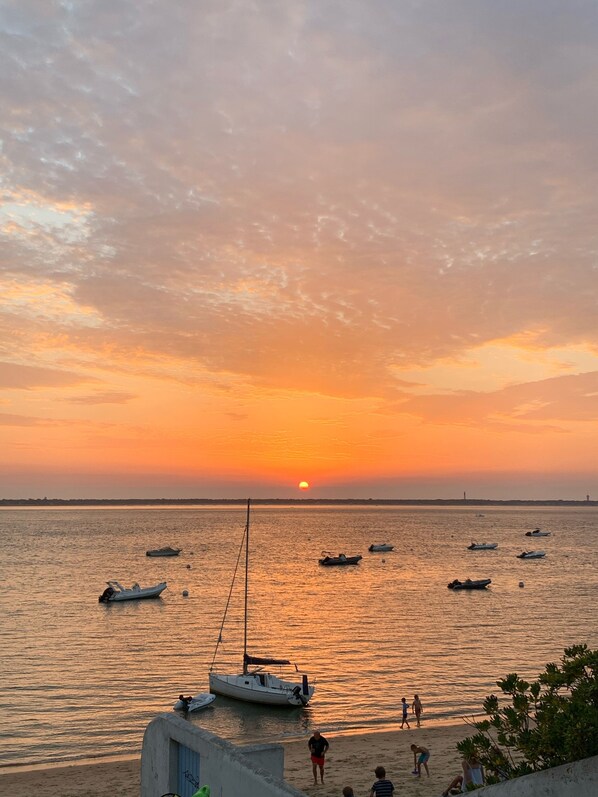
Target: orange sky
[{"x": 243, "y": 246}]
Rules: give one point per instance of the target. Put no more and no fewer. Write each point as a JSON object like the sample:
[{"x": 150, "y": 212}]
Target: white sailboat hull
[{"x": 262, "y": 688}]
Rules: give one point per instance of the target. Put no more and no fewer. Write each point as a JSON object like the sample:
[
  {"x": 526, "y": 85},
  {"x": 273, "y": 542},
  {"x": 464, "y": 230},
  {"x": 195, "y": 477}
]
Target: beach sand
[{"x": 350, "y": 762}]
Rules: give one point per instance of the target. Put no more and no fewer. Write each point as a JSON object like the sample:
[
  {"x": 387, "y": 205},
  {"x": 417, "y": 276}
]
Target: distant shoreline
[{"x": 473, "y": 502}]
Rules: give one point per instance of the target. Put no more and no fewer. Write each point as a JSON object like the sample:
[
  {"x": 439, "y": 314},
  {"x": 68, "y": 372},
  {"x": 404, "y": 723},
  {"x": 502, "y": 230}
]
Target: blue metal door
[{"x": 187, "y": 771}]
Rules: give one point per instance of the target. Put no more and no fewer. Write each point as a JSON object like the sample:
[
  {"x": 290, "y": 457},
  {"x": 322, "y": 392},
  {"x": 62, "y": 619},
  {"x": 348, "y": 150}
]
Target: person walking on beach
[
  {"x": 318, "y": 747},
  {"x": 405, "y": 713},
  {"x": 421, "y": 755},
  {"x": 382, "y": 787},
  {"x": 417, "y": 708}
]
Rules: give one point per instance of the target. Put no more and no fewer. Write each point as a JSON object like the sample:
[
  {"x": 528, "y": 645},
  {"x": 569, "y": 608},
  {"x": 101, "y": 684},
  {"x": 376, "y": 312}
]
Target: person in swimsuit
[
  {"x": 405, "y": 712},
  {"x": 417, "y": 708},
  {"x": 421, "y": 756}
]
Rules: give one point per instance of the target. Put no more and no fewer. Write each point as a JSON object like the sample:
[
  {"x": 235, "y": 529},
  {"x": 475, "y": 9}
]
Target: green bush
[{"x": 544, "y": 724}]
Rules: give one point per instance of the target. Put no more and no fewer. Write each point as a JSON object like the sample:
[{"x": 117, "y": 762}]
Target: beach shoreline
[{"x": 351, "y": 761}]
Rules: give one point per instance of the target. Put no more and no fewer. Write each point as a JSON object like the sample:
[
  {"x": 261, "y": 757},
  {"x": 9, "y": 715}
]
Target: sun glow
[{"x": 304, "y": 485}]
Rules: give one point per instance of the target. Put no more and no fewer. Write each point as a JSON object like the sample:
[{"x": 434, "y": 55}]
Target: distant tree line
[{"x": 287, "y": 501}]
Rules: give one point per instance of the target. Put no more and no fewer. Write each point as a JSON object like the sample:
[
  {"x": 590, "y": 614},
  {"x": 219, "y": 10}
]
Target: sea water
[{"x": 82, "y": 679}]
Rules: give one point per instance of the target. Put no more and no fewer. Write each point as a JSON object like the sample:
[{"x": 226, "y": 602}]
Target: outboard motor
[{"x": 105, "y": 595}]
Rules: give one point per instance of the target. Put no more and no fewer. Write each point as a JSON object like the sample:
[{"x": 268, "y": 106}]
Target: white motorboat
[
  {"x": 166, "y": 551},
  {"x": 254, "y": 685},
  {"x": 482, "y": 546},
  {"x": 115, "y": 592},
  {"x": 380, "y": 548},
  {"x": 203, "y": 700},
  {"x": 537, "y": 533},
  {"x": 531, "y": 555}
]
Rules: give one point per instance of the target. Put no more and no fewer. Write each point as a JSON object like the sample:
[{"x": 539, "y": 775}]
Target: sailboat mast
[{"x": 246, "y": 587}]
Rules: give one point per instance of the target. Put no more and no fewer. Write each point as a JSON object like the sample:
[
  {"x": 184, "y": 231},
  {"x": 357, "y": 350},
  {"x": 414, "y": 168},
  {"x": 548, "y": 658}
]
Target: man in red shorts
[{"x": 318, "y": 746}]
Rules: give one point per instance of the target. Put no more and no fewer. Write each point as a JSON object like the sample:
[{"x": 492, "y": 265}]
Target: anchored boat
[{"x": 255, "y": 685}]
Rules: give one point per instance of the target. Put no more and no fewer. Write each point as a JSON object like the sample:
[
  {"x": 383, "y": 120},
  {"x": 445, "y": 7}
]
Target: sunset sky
[{"x": 245, "y": 244}]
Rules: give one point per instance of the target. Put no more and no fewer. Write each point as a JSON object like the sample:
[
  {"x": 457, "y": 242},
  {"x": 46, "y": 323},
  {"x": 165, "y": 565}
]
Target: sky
[{"x": 248, "y": 243}]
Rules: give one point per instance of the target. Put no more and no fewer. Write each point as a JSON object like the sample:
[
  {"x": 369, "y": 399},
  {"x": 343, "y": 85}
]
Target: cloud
[
  {"x": 524, "y": 407},
  {"x": 108, "y": 397},
  {"x": 28, "y": 377}
]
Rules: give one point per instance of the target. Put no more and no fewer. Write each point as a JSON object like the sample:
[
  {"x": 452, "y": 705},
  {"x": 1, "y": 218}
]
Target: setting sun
[{"x": 304, "y": 485}]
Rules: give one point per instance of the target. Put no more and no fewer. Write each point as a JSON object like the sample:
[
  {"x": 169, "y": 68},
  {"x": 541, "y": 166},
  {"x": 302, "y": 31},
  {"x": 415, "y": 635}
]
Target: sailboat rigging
[{"x": 254, "y": 685}]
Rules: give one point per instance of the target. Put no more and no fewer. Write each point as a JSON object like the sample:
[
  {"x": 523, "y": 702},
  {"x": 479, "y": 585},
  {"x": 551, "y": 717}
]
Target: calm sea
[{"x": 82, "y": 679}]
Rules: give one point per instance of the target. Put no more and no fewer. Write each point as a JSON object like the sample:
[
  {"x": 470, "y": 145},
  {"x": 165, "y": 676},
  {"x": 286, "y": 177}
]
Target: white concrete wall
[
  {"x": 229, "y": 771},
  {"x": 579, "y": 779}
]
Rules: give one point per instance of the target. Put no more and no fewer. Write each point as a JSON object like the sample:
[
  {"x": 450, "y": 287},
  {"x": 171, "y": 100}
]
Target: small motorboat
[
  {"x": 480, "y": 583},
  {"x": 196, "y": 703},
  {"x": 115, "y": 592},
  {"x": 380, "y": 548},
  {"x": 537, "y": 533},
  {"x": 330, "y": 559},
  {"x": 531, "y": 555},
  {"x": 482, "y": 546},
  {"x": 166, "y": 551}
]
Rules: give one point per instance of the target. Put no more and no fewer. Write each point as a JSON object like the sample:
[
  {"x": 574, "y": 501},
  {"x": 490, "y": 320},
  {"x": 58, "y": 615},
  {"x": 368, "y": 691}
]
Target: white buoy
[
  {"x": 521, "y": 584},
  {"x": 185, "y": 593}
]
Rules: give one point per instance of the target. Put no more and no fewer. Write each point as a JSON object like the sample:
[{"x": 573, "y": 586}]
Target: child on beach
[
  {"x": 405, "y": 712},
  {"x": 421, "y": 755},
  {"x": 382, "y": 787},
  {"x": 417, "y": 708}
]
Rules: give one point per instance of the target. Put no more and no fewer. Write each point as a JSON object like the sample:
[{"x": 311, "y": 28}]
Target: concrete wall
[
  {"x": 229, "y": 771},
  {"x": 579, "y": 779}
]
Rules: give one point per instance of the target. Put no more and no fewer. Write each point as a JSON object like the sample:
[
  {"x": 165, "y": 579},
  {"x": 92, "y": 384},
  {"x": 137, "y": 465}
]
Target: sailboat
[{"x": 253, "y": 685}]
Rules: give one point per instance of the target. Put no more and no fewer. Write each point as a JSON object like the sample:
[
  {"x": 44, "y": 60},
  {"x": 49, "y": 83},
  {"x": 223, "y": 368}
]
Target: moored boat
[
  {"x": 203, "y": 700},
  {"x": 380, "y": 548},
  {"x": 166, "y": 551},
  {"x": 330, "y": 559},
  {"x": 255, "y": 685},
  {"x": 537, "y": 533},
  {"x": 482, "y": 546},
  {"x": 115, "y": 592},
  {"x": 480, "y": 583},
  {"x": 531, "y": 555}
]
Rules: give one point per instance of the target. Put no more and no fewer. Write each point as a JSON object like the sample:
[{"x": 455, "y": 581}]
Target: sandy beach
[{"x": 351, "y": 761}]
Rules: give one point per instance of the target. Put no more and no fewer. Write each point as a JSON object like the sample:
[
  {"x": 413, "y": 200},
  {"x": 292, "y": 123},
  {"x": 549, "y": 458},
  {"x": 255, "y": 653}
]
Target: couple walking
[{"x": 416, "y": 708}]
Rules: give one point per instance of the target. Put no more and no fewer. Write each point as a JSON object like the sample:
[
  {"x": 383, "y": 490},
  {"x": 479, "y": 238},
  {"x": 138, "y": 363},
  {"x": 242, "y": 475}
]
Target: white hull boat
[
  {"x": 482, "y": 546},
  {"x": 382, "y": 548},
  {"x": 115, "y": 592},
  {"x": 531, "y": 555},
  {"x": 258, "y": 687},
  {"x": 196, "y": 703},
  {"x": 253, "y": 685}
]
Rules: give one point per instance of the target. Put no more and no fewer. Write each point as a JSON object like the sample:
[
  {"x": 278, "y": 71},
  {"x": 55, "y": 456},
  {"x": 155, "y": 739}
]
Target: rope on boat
[{"x": 228, "y": 599}]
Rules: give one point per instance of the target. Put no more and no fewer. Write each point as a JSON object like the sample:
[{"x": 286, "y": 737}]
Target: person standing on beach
[
  {"x": 382, "y": 787},
  {"x": 417, "y": 708},
  {"x": 405, "y": 713},
  {"x": 421, "y": 755},
  {"x": 318, "y": 747}
]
